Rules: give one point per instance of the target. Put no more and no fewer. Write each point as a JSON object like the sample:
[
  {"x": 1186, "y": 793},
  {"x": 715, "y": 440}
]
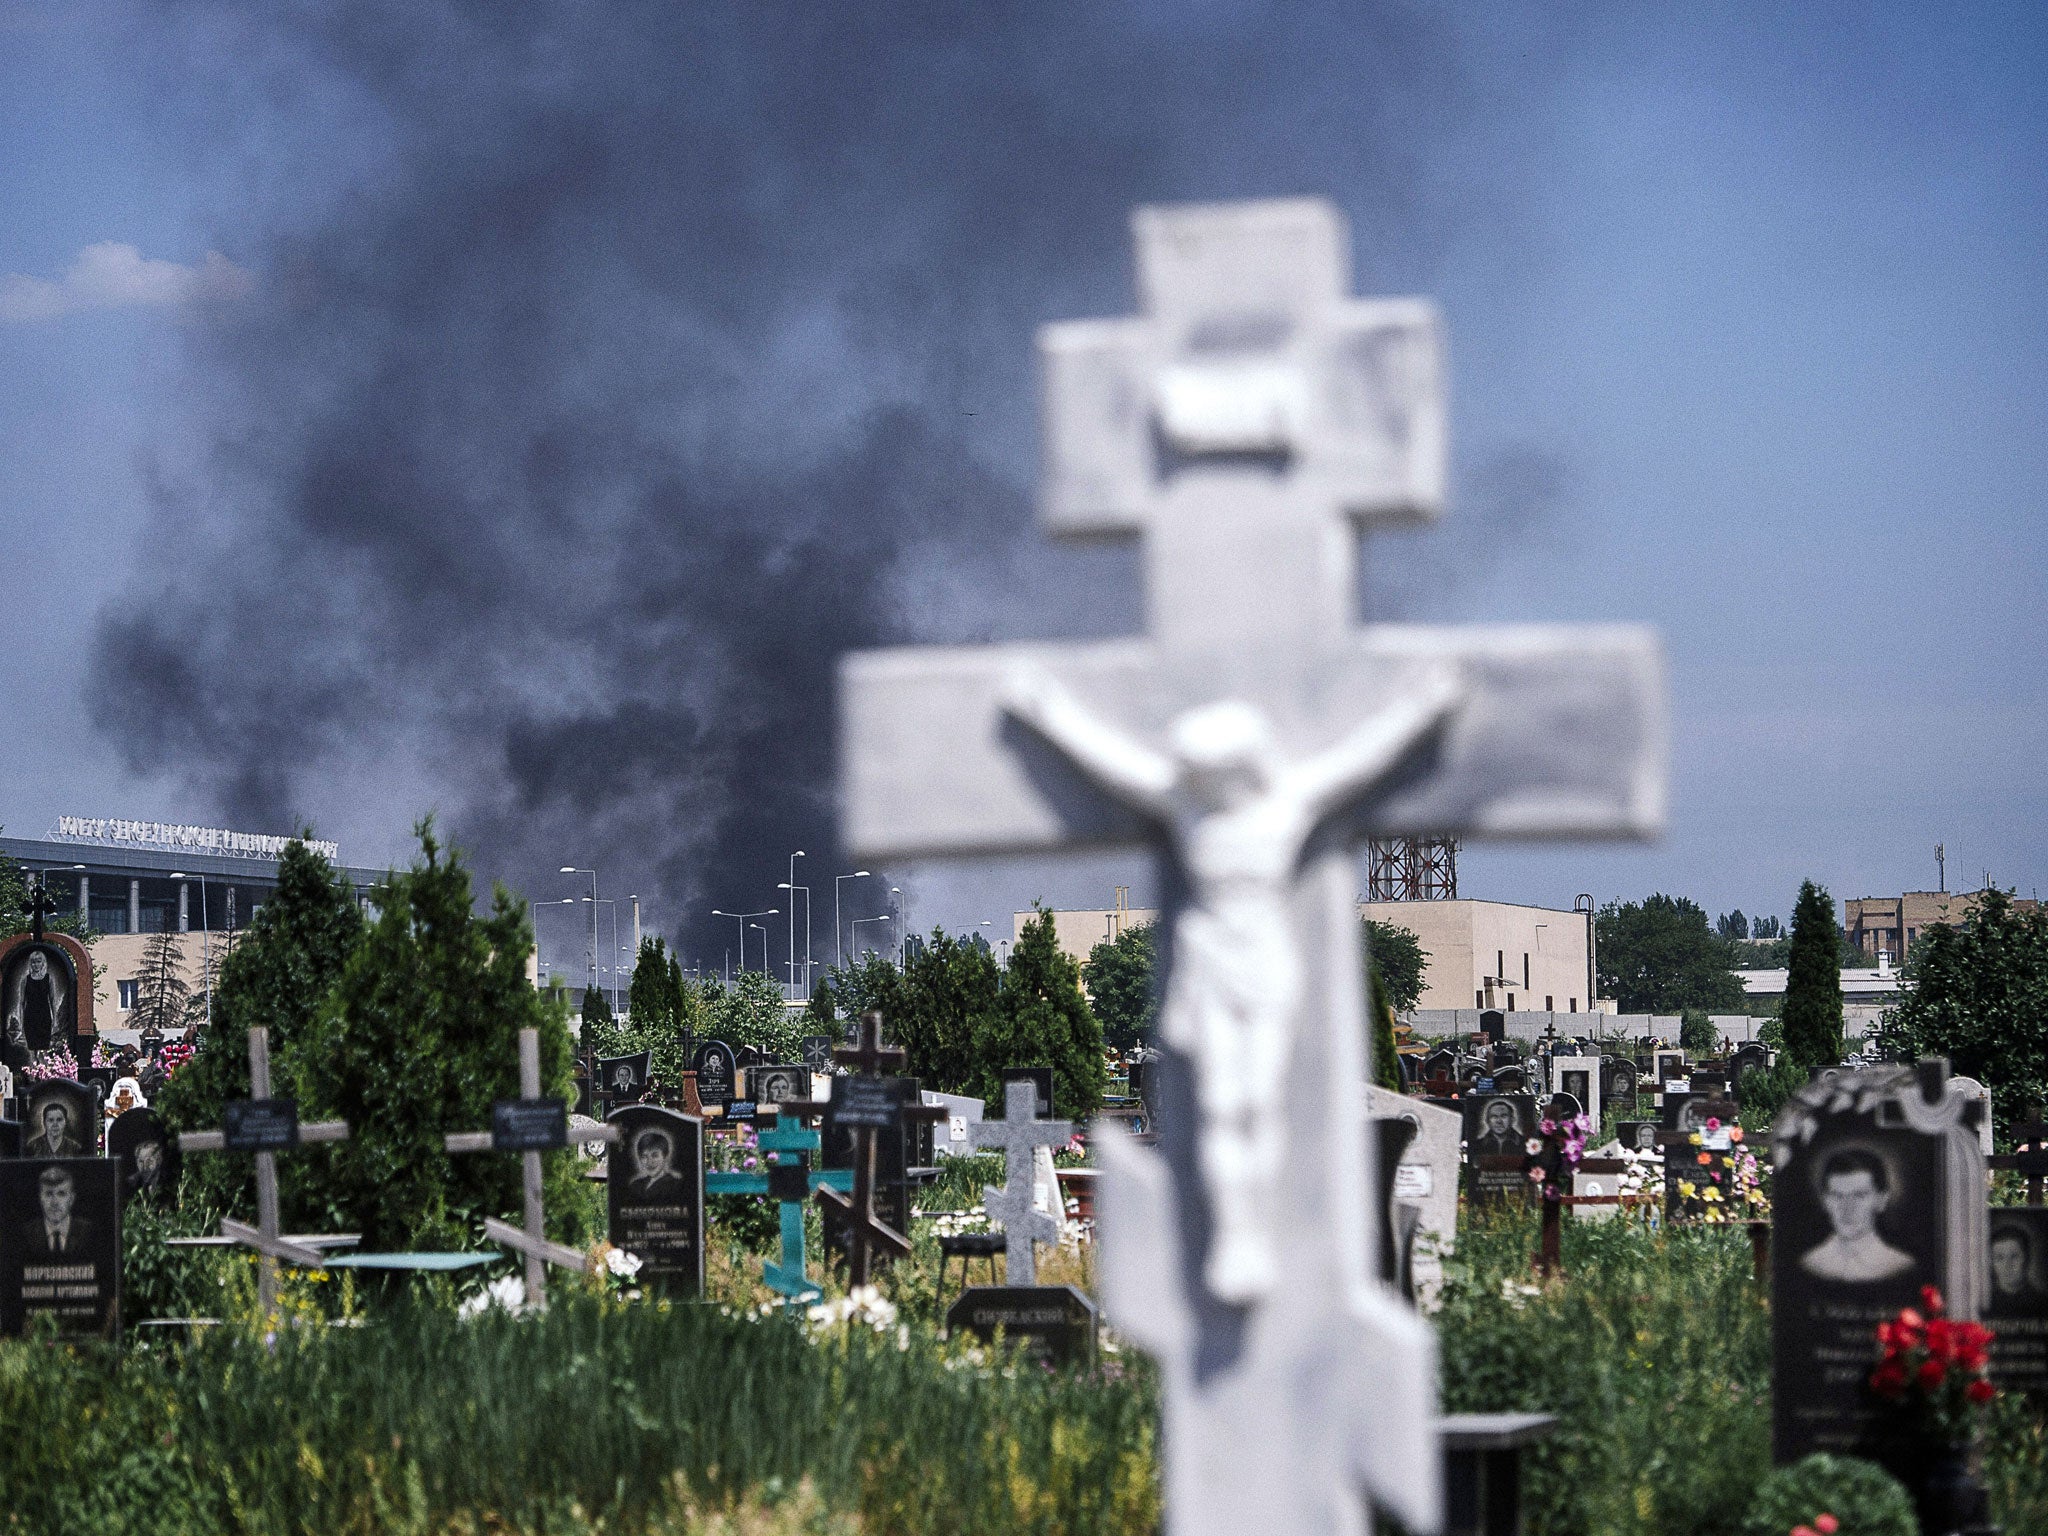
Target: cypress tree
[
  {"x": 1041, "y": 1018},
  {"x": 1386, "y": 1062},
  {"x": 1813, "y": 984}
]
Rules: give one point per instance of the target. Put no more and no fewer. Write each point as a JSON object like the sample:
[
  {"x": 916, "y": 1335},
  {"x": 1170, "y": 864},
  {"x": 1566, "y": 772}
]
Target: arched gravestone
[
  {"x": 46, "y": 998},
  {"x": 654, "y": 1196},
  {"x": 1493, "y": 1024},
  {"x": 148, "y": 1154},
  {"x": 716, "y": 1073}
]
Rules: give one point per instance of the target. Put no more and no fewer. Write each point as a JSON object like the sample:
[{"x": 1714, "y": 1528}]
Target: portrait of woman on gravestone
[
  {"x": 2015, "y": 1283},
  {"x": 36, "y": 1001},
  {"x": 1855, "y": 1189},
  {"x": 654, "y": 1175}
]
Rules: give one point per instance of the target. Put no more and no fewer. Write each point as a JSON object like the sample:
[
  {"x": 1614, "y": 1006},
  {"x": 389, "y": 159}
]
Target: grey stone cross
[
  {"x": 1018, "y": 1133},
  {"x": 1243, "y": 427}
]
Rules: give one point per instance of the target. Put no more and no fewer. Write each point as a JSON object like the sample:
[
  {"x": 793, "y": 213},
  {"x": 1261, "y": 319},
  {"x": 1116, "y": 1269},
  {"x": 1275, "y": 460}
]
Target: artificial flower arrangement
[
  {"x": 1555, "y": 1151},
  {"x": 174, "y": 1056},
  {"x": 1933, "y": 1370},
  {"x": 52, "y": 1065},
  {"x": 1725, "y": 1182}
]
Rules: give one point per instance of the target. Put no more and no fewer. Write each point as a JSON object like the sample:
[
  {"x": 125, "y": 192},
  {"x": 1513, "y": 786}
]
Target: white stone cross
[
  {"x": 270, "y": 1245},
  {"x": 1018, "y": 1133},
  {"x": 1251, "y": 738}
]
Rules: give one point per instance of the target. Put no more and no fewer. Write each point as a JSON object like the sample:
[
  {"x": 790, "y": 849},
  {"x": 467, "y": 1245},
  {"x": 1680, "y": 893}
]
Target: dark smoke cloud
[{"x": 619, "y": 366}]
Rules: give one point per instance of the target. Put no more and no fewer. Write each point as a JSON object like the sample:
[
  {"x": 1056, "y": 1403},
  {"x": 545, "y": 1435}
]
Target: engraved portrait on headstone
[
  {"x": 63, "y": 1120},
  {"x": 654, "y": 1196},
  {"x": 148, "y": 1155},
  {"x": 1498, "y": 1125},
  {"x": 2018, "y": 1308},
  {"x": 38, "y": 1000},
  {"x": 61, "y": 1254}
]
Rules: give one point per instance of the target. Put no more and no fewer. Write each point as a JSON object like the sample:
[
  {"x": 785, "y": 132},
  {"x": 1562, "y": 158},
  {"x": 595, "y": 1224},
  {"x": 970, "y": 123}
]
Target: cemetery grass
[
  {"x": 601, "y": 1416},
  {"x": 1654, "y": 1353}
]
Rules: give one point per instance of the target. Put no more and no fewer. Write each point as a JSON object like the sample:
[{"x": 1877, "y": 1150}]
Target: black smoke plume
[{"x": 617, "y": 366}]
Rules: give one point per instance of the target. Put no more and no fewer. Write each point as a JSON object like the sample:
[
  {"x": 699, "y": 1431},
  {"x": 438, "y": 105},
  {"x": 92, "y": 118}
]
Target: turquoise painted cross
[{"x": 789, "y": 1140}]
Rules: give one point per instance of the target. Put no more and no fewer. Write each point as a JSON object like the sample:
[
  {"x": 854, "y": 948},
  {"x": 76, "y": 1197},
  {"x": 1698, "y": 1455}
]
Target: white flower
[
  {"x": 508, "y": 1293},
  {"x": 622, "y": 1263}
]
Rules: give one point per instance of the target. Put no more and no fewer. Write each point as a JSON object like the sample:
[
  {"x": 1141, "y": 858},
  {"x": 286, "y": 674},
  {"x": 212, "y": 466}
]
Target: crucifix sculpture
[
  {"x": 1019, "y": 1133},
  {"x": 867, "y": 1103},
  {"x": 1252, "y": 737}
]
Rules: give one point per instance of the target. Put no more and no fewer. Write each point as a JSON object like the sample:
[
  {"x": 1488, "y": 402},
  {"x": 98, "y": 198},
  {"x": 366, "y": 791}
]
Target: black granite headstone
[
  {"x": 1638, "y": 1135},
  {"x": 716, "y": 1073},
  {"x": 654, "y": 1196},
  {"x": 624, "y": 1077},
  {"x": 779, "y": 1083},
  {"x": 1494, "y": 1025},
  {"x": 63, "y": 1120},
  {"x": 817, "y": 1052},
  {"x": 1497, "y": 1128},
  {"x": 2018, "y": 1313},
  {"x": 261, "y": 1125},
  {"x": 1056, "y": 1321},
  {"x": 148, "y": 1154},
  {"x": 61, "y": 1223}
]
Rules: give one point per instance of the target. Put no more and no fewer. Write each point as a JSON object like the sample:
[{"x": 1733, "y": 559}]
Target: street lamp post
[
  {"x": 205, "y": 946},
  {"x": 793, "y": 889},
  {"x": 896, "y": 906},
  {"x": 571, "y": 869},
  {"x": 743, "y": 916},
  {"x": 855, "y": 927},
  {"x": 839, "y": 955},
  {"x": 762, "y": 929}
]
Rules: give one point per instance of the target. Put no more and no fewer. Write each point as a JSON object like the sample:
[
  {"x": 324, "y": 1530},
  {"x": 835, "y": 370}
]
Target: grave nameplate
[
  {"x": 790, "y": 1178},
  {"x": 866, "y": 1101},
  {"x": 63, "y": 1120},
  {"x": 654, "y": 1196},
  {"x": 740, "y": 1110},
  {"x": 261, "y": 1125},
  {"x": 2018, "y": 1311},
  {"x": 1057, "y": 1321},
  {"x": 148, "y": 1155},
  {"x": 61, "y": 1218},
  {"x": 1878, "y": 1190},
  {"x": 529, "y": 1125}
]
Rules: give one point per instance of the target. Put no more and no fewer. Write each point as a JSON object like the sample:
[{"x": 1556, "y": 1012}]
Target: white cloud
[{"x": 112, "y": 275}]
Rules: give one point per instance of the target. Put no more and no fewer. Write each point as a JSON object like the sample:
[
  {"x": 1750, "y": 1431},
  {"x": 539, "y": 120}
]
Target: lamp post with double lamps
[
  {"x": 838, "y": 954},
  {"x": 855, "y": 927},
  {"x": 743, "y": 917},
  {"x": 571, "y": 869}
]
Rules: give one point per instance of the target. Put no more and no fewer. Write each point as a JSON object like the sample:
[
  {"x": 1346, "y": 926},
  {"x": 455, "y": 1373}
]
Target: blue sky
[{"x": 1765, "y": 291}]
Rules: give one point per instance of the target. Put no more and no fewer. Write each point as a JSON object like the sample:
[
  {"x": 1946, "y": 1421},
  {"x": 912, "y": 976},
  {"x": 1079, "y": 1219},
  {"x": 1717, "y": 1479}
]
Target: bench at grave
[{"x": 1482, "y": 1460}]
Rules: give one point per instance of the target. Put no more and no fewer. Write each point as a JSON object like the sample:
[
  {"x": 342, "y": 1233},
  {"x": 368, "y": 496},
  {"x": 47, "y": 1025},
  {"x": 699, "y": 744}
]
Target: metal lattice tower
[{"x": 1413, "y": 869}]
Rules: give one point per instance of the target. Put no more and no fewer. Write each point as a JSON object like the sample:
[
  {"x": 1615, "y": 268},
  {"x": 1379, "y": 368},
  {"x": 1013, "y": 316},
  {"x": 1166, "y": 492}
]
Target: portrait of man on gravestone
[
  {"x": 654, "y": 1175},
  {"x": 1855, "y": 1189},
  {"x": 55, "y": 1135},
  {"x": 1500, "y": 1132},
  {"x": 36, "y": 1000},
  {"x": 58, "y": 1231}
]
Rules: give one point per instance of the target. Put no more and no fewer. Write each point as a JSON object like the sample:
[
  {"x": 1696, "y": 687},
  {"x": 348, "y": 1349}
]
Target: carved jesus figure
[{"x": 1238, "y": 820}]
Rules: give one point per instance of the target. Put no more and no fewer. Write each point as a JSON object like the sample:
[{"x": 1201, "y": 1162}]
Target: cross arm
[
  {"x": 1115, "y": 759},
  {"x": 1355, "y": 763},
  {"x": 558, "y": 1254},
  {"x": 217, "y": 1141},
  {"x": 284, "y": 1248}
]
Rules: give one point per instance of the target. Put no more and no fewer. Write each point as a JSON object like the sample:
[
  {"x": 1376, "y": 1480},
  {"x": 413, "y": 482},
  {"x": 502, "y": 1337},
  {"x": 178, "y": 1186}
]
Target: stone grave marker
[
  {"x": 717, "y": 1074},
  {"x": 46, "y": 991},
  {"x": 1058, "y": 1321},
  {"x": 265, "y": 1126},
  {"x": 1040, "y": 1079},
  {"x": 1596, "y": 1189},
  {"x": 622, "y": 1079},
  {"x": 954, "y": 1136},
  {"x": 1018, "y": 1134},
  {"x": 774, "y": 1083},
  {"x": 1497, "y": 1129},
  {"x": 1978, "y": 1096},
  {"x": 2018, "y": 1308},
  {"x": 1878, "y": 1189},
  {"x": 1425, "y": 1179},
  {"x": 1579, "y": 1076},
  {"x": 148, "y": 1156},
  {"x": 1252, "y": 736},
  {"x": 63, "y": 1120},
  {"x": 1753, "y": 1056},
  {"x": 1666, "y": 1065},
  {"x": 528, "y": 1125},
  {"x": 654, "y": 1196},
  {"x": 10, "y": 1138},
  {"x": 1699, "y": 1149},
  {"x": 60, "y": 1244},
  {"x": 817, "y": 1052},
  {"x": 1494, "y": 1025}
]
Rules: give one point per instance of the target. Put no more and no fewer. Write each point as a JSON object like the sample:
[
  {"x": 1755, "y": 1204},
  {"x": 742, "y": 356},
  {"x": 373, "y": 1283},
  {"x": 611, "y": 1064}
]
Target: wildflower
[
  {"x": 1980, "y": 1391},
  {"x": 1826, "y": 1524}
]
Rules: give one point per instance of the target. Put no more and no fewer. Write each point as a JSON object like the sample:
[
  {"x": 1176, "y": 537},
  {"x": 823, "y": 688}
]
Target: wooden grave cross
[
  {"x": 530, "y": 1125},
  {"x": 1250, "y": 738},
  {"x": 868, "y": 1106},
  {"x": 791, "y": 1183},
  {"x": 2030, "y": 1151},
  {"x": 1019, "y": 1133},
  {"x": 267, "y": 1126}
]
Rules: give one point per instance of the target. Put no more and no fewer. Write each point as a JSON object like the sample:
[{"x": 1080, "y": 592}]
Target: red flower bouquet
[{"x": 1933, "y": 1369}]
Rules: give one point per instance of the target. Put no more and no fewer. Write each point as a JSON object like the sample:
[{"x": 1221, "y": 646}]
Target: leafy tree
[
  {"x": 653, "y": 1001},
  {"x": 1732, "y": 925},
  {"x": 1696, "y": 1033},
  {"x": 163, "y": 997},
  {"x": 1042, "y": 1018},
  {"x": 277, "y": 975},
  {"x": 597, "y": 1012},
  {"x": 1980, "y": 998},
  {"x": 1660, "y": 956},
  {"x": 1400, "y": 959},
  {"x": 751, "y": 1012},
  {"x": 1122, "y": 986},
  {"x": 1813, "y": 981},
  {"x": 418, "y": 1038},
  {"x": 945, "y": 1014},
  {"x": 1766, "y": 928},
  {"x": 14, "y": 914},
  {"x": 1386, "y": 1057}
]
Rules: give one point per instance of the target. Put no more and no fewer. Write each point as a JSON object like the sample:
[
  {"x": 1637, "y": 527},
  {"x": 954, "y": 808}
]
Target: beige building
[
  {"x": 1482, "y": 954},
  {"x": 1889, "y": 925}
]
